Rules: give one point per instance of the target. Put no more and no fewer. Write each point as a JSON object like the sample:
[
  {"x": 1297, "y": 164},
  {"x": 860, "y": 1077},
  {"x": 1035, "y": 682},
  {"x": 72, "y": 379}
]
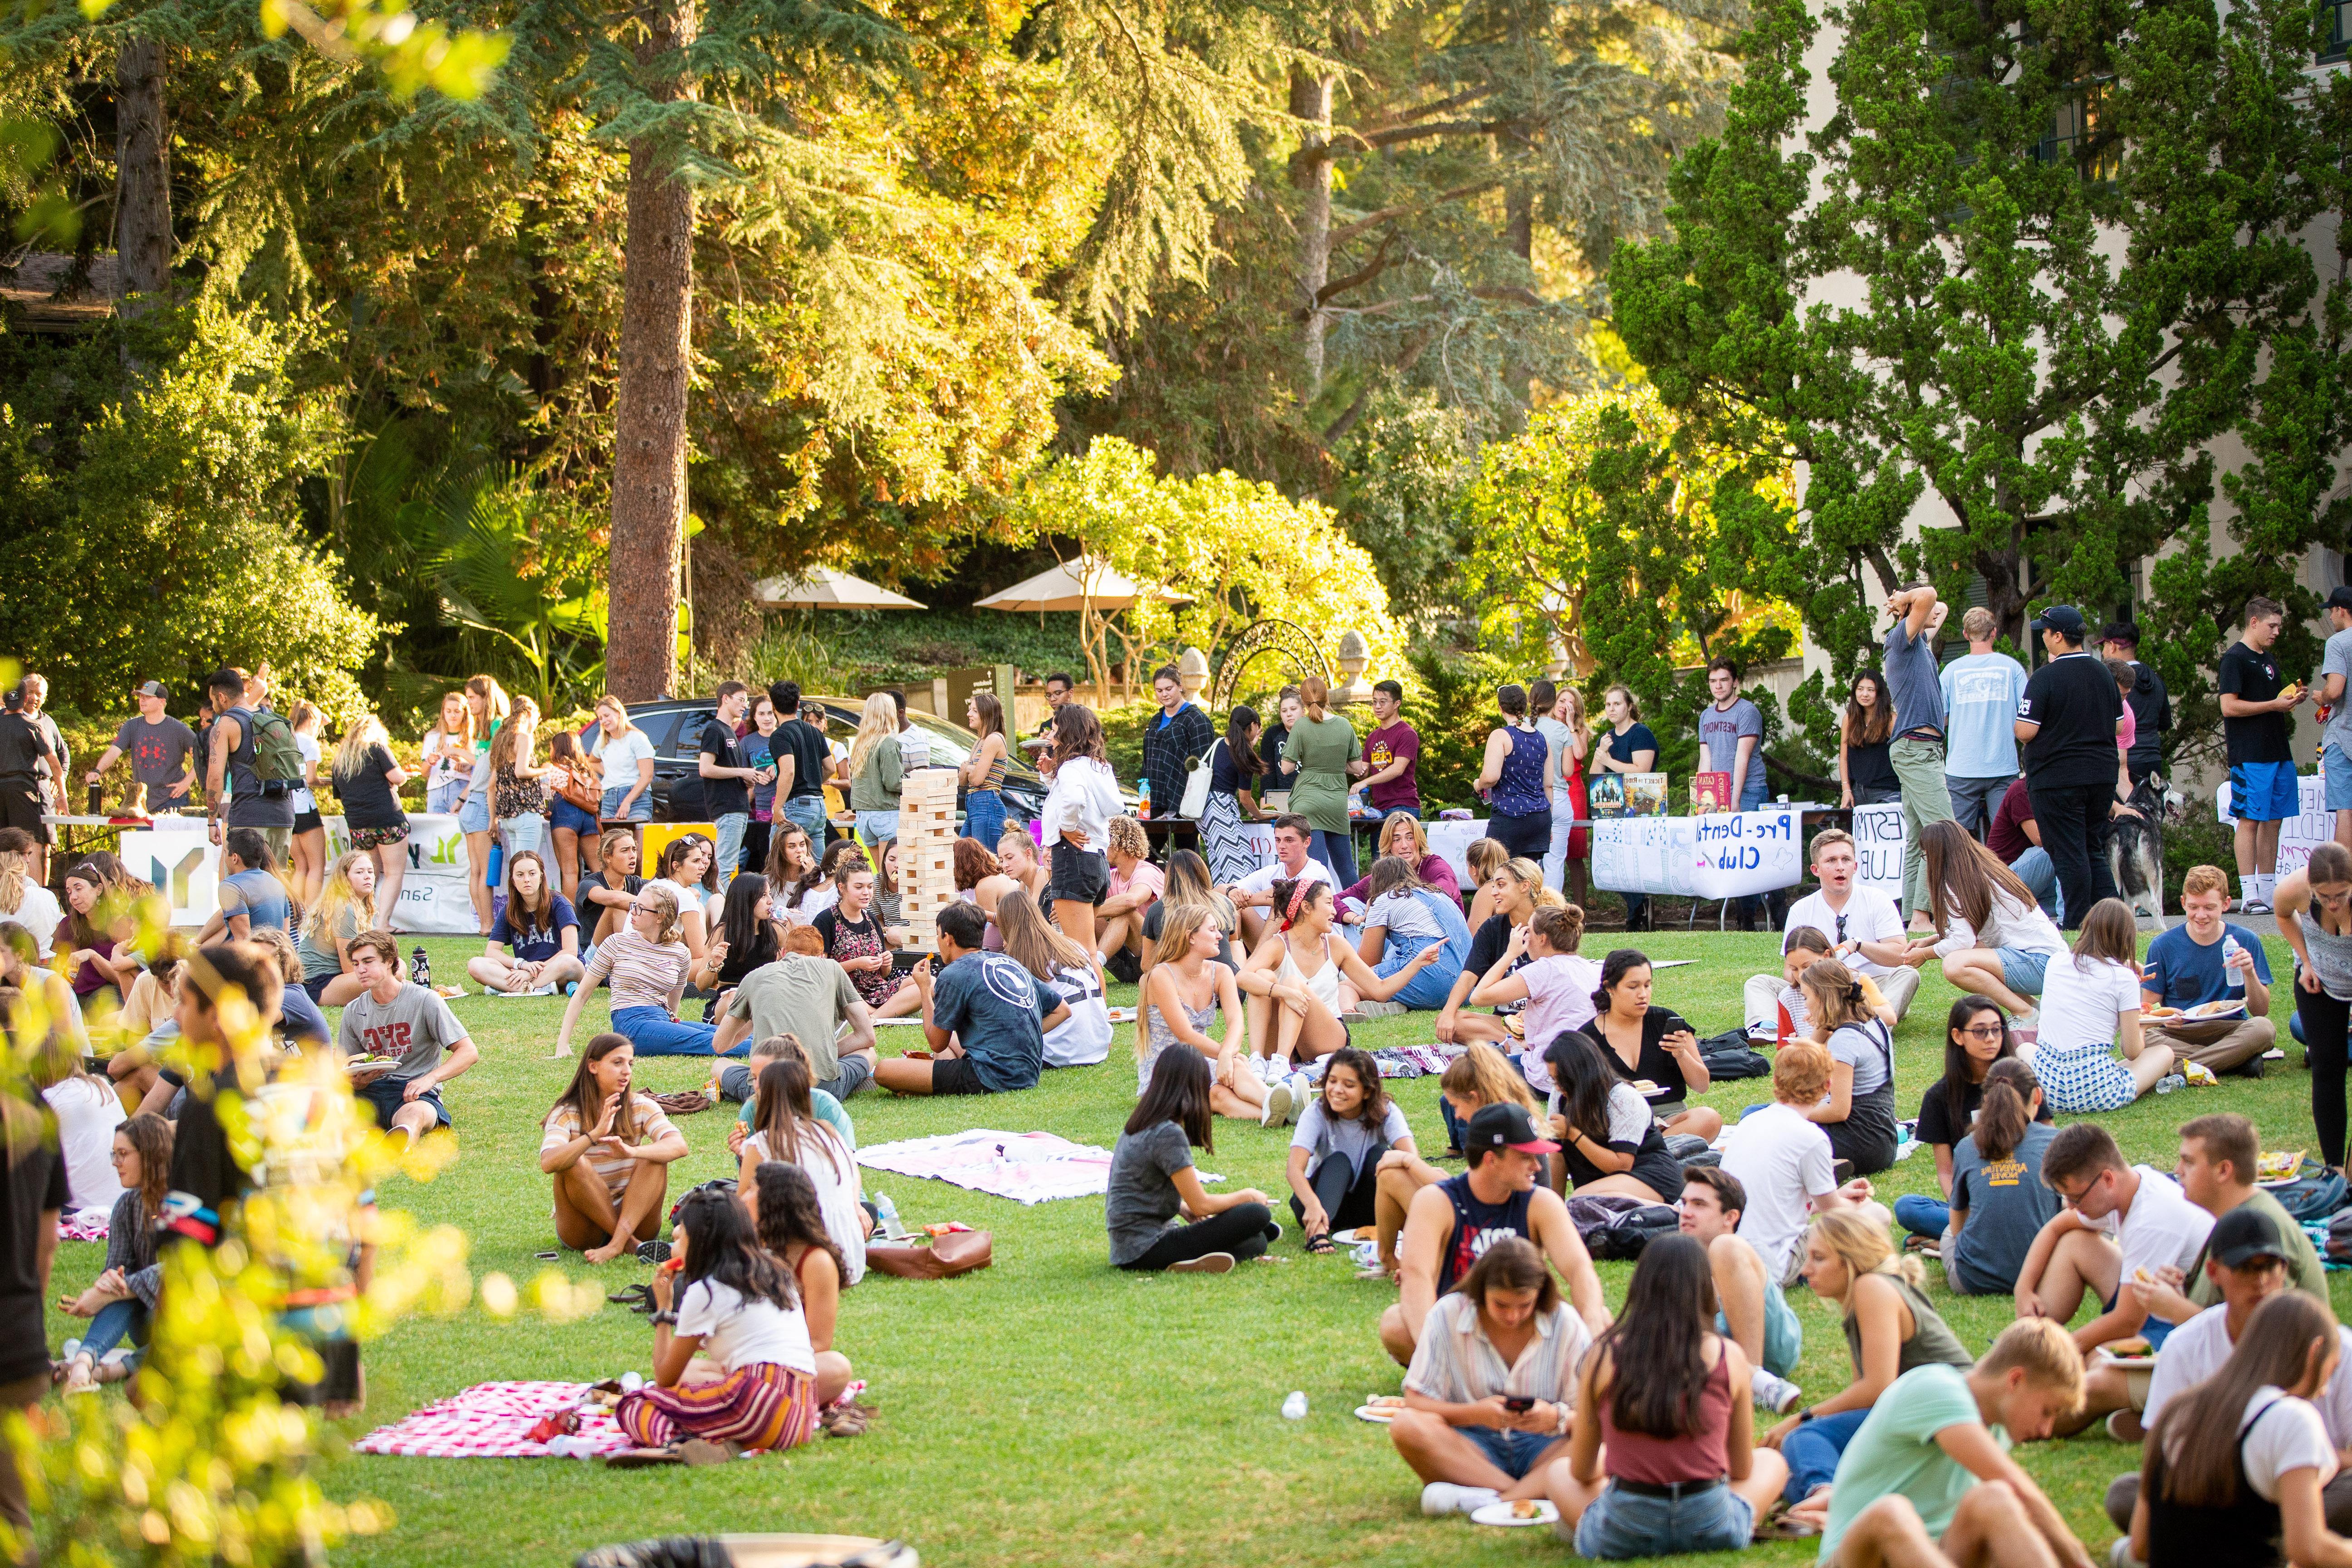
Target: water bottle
[
  {"x": 1144, "y": 800},
  {"x": 1295, "y": 1408},
  {"x": 885, "y": 1215},
  {"x": 2169, "y": 1082},
  {"x": 420, "y": 968}
]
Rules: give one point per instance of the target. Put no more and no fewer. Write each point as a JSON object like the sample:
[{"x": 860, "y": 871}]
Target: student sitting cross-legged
[
  {"x": 791, "y": 1227},
  {"x": 1480, "y": 1076},
  {"x": 1153, "y": 1182},
  {"x": 1667, "y": 1394},
  {"x": 537, "y": 928},
  {"x": 1751, "y": 1309},
  {"x": 610, "y": 1150},
  {"x": 1335, "y": 1154},
  {"x": 1926, "y": 1484}
]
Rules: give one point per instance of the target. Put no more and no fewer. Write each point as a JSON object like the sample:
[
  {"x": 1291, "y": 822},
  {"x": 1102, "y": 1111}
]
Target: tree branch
[
  {"x": 1346, "y": 232},
  {"x": 1357, "y": 280}
]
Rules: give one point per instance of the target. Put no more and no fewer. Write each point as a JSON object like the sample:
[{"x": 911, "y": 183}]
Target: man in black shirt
[
  {"x": 2067, "y": 723},
  {"x": 32, "y": 1194},
  {"x": 24, "y": 792},
  {"x": 2150, "y": 704},
  {"x": 802, "y": 760},
  {"x": 726, "y": 780},
  {"x": 2255, "y": 702}
]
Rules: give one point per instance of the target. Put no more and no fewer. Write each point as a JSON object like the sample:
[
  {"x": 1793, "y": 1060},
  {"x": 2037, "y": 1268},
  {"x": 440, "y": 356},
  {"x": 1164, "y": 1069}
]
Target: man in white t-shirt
[
  {"x": 2121, "y": 1224},
  {"x": 2247, "y": 1262},
  {"x": 1782, "y": 1161},
  {"x": 1253, "y": 896},
  {"x": 1861, "y": 920}
]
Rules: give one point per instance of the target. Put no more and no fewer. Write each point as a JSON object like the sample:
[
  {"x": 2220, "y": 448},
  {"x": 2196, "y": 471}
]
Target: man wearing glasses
[
  {"x": 1864, "y": 929},
  {"x": 2122, "y": 1224}
]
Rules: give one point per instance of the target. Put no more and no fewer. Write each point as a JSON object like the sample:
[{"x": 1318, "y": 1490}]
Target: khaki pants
[
  {"x": 16, "y": 1513},
  {"x": 2218, "y": 1046},
  {"x": 1919, "y": 768},
  {"x": 1760, "y": 996}
]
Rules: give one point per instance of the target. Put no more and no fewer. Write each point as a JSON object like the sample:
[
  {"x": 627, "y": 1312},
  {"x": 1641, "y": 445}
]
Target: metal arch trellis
[{"x": 1287, "y": 639}]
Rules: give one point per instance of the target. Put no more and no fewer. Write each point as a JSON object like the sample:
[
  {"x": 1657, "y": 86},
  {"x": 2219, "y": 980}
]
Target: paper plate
[
  {"x": 1499, "y": 1513},
  {"x": 1378, "y": 1415},
  {"x": 2210, "y": 1012}
]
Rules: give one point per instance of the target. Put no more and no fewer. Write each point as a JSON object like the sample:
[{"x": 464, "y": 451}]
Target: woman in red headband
[{"x": 1302, "y": 981}]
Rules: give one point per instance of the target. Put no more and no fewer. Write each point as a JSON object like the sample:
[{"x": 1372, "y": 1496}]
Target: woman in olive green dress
[{"x": 1322, "y": 744}]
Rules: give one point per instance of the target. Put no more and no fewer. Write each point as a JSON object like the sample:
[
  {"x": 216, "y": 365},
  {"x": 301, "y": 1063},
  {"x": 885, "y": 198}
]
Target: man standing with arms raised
[
  {"x": 2067, "y": 723},
  {"x": 1981, "y": 689},
  {"x": 1917, "y": 752},
  {"x": 2255, "y": 702}
]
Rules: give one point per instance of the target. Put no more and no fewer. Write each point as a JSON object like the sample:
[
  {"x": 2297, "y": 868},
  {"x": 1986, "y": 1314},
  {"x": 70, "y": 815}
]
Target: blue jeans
[
  {"x": 808, "y": 811},
  {"x": 1426, "y": 991},
  {"x": 441, "y": 800},
  {"x": 1627, "y": 1524},
  {"x": 2039, "y": 874},
  {"x": 731, "y": 842},
  {"x": 1814, "y": 1448},
  {"x": 1923, "y": 1215},
  {"x": 655, "y": 1032},
  {"x": 117, "y": 1321},
  {"x": 522, "y": 834},
  {"x": 640, "y": 809},
  {"x": 1338, "y": 853},
  {"x": 1454, "y": 1125},
  {"x": 983, "y": 817},
  {"x": 1513, "y": 1453},
  {"x": 877, "y": 827}
]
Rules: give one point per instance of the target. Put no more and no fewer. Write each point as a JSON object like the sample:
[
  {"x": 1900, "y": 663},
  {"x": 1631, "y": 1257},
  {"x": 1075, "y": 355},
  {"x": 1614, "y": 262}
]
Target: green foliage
[
  {"x": 1450, "y": 700},
  {"x": 1404, "y": 466}
]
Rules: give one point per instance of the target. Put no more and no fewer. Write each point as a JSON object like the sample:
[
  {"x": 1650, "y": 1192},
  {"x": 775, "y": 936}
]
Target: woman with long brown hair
[
  {"x": 1321, "y": 745},
  {"x": 1066, "y": 969},
  {"x": 367, "y": 779},
  {"x": 983, "y": 773},
  {"x": 1992, "y": 934},
  {"x": 121, "y": 1303},
  {"x": 1077, "y": 821},
  {"x": 786, "y": 1127},
  {"x": 2090, "y": 1009},
  {"x": 518, "y": 792},
  {"x": 1866, "y": 727},
  {"x": 609, "y": 1148},
  {"x": 487, "y": 706}
]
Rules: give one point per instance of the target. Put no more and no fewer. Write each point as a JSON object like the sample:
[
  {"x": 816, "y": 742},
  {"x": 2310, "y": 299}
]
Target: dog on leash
[{"x": 2136, "y": 847}]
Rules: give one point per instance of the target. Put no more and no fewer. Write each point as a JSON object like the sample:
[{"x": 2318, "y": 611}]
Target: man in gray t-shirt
[
  {"x": 159, "y": 747},
  {"x": 1915, "y": 683},
  {"x": 408, "y": 1023},
  {"x": 2336, "y": 739}
]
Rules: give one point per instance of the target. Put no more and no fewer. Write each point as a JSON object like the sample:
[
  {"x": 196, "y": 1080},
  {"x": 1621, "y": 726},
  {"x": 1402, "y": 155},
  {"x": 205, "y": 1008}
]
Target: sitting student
[
  {"x": 736, "y": 1305},
  {"x": 85, "y": 1105},
  {"x": 1083, "y": 1037},
  {"x": 747, "y": 938},
  {"x": 1654, "y": 1044},
  {"x": 1506, "y": 900},
  {"x": 1403, "y": 838},
  {"x": 804, "y": 993},
  {"x": 984, "y": 1018},
  {"x": 2000, "y": 1202},
  {"x": 1539, "y": 966},
  {"x": 1252, "y": 896},
  {"x": 2236, "y": 1473},
  {"x": 1153, "y": 1182},
  {"x": 394, "y": 1019},
  {"x": 1750, "y": 1306},
  {"x": 787, "y": 1128},
  {"x": 1335, "y": 1154},
  {"x": 1405, "y": 918},
  {"x": 1859, "y": 1110},
  {"x": 1662, "y": 1390},
  {"x": 1303, "y": 976},
  {"x": 1992, "y": 937},
  {"x": 1480, "y": 1076},
  {"x": 610, "y": 1150},
  {"x": 647, "y": 965},
  {"x": 686, "y": 868},
  {"x": 2206, "y": 959},
  {"x": 1863, "y": 924},
  {"x": 250, "y": 893},
  {"x": 855, "y": 939},
  {"x": 120, "y": 1304},
  {"x": 774, "y": 1047},
  {"x": 1908, "y": 1493},
  {"x": 2215, "y": 1167},
  {"x": 1183, "y": 992},
  {"x": 1890, "y": 1329},
  {"x": 2248, "y": 1268},
  {"x": 535, "y": 925},
  {"x": 792, "y": 1228},
  {"x": 1799, "y": 950},
  {"x": 300, "y": 1021},
  {"x": 2121, "y": 1223},
  {"x": 344, "y": 908},
  {"x": 1136, "y": 884},
  {"x": 1782, "y": 1159},
  {"x": 1020, "y": 863},
  {"x": 2090, "y": 1004},
  {"x": 1609, "y": 1140},
  {"x": 1189, "y": 882},
  {"x": 1465, "y": 1432},
  {"x": 1976, "y": 1036},
  {"x": 1500, "y": 1195},
  {"x": 604, "y": 897}
]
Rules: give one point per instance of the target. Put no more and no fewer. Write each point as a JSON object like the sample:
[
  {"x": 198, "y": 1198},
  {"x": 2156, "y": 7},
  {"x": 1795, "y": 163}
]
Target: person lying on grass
[
  {"x": 1925, "y": 1483},
  {"x": 1474, "y": 1438},
  {"x": 1667, "y": 1394},
  {"x": 1153, "y": 1182},
  {"x": 984, "y": 1018},
  {"x": 1335, "y": 1152},
  {"x": 728, "y": 1299},
  {"x": 1500, "y": 1195},
  {"x": 610, "y": 1150}
]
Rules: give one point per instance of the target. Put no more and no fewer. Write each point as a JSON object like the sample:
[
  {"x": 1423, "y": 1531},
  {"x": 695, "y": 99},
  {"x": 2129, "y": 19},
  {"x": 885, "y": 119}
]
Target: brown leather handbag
[{"x": 957, "y": 1252}]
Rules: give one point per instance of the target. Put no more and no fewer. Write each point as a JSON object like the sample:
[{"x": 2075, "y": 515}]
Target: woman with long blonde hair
[
  {"x": 486, "y": 707},
  {"x": 983, "y": 770},
  {"x": 368, "y": 781},
  {"x": 645, "y": 965},
  {"x": 447, "y": 754},
  {"x": 877, "y": 770},
  {"x": 624, "y": 761},
  {"x": 347, "y": 905},
  {"x": 22, "y": 900},
  {"x": 1066, "y": 969},
  {"x": 1182, "y": 995}
]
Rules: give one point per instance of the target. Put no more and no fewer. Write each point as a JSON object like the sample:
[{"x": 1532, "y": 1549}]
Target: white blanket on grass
[{"x": 1027, "y": 1167}]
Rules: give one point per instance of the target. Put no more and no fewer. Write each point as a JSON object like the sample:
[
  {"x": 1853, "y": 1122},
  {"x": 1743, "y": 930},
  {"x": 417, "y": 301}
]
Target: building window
[
  {"x": 2339, "y": 33},
  {"x": 2081, "y": 131}
]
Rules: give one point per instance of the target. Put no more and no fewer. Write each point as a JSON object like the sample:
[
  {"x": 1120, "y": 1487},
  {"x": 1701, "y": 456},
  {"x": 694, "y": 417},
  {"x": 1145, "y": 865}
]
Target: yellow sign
[{"x": 653, "y": 838}]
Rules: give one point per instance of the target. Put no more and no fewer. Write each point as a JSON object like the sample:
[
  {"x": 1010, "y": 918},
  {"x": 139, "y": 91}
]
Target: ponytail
[{"x": 2006, "y": 1113}]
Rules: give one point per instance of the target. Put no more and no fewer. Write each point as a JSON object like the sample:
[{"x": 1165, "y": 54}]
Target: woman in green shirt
[
  {"x": 878, "y": 771},
  {"x": 1322, "y": 744}
]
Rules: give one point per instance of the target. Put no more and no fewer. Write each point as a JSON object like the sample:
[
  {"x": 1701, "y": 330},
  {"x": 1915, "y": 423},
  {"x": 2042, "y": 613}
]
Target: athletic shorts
[
  {"x": 2263, "y": 792},
  {"x": 956, "y": 1075},
  {"x": 20, "y": 806}
]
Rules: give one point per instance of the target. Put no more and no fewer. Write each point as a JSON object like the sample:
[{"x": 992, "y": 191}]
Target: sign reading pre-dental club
[{"x": 1729, "y": 855}]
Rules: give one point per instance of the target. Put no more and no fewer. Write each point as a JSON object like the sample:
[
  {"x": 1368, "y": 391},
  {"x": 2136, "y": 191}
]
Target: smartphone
[{"x": 1520, "y": 1404}]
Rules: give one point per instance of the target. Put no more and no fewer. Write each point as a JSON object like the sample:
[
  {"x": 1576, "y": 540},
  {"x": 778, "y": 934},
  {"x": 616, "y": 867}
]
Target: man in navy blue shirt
[
  {"x": 2202, "y": 959},
  {"x": 984, "y": 1018}
]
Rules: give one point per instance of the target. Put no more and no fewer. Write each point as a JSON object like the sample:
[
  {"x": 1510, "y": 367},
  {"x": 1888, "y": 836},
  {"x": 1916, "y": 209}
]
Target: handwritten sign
[
  {"x": 1726, "y": 856},
  {"x": 1878, "y": 841}
]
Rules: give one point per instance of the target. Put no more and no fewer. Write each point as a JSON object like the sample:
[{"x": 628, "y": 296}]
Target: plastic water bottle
[
  {"x": 2169, "y": 1082},
  {"x": 886, "y": 1217},
  {"x": 631, "y": 1382},
  {"x": 1144, "y": 800},
  {"x": 1295, "y": 1408}
]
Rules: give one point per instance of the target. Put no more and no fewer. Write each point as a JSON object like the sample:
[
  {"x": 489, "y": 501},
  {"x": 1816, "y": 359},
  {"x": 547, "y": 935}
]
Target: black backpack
[
  {"x": 1614, "y": 1226},
  {"x": 1728, "y": 1055}
]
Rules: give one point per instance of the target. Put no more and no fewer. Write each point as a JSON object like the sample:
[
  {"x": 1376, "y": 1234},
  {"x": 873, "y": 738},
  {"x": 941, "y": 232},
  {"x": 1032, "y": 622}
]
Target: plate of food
[
  {"x": 1649, "y": 1091},
  {"x": 1380, "y": 1408},
  {"x": 2134, "y": 1352},
  {"x": 2278, "y": 1164},
  {"x": 1518, "y": 1515},
  {"x": 2159, "y": 1013},
  {"x": 1122, "y": 1015},
  {"x": 2205, "y": 1011}
]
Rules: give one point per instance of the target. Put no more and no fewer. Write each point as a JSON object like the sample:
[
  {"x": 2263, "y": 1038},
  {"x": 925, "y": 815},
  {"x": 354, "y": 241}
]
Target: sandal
[
  {"x": 1319, "y": 1245},
  {"x": 640, "y": 1458},
  {"x": 638, "y": 1298}
]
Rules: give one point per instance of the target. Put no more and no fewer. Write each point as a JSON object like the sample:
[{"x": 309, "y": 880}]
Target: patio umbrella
[
  {"x": 823, "y": 588},
  {"x": 1085, "y": 583}
]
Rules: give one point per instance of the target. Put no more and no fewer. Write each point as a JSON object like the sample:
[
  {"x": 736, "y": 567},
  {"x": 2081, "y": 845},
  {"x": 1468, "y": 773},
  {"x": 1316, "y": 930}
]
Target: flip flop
[{"x": 642, "y": 1458}]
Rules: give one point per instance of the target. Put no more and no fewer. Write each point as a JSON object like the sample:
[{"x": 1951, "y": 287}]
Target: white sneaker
[
  {"x": 1276, "y": 1111},
  {"x": 1775, "y": 1394},
  {"x": 1301, "y": 1094},
  {"x": 1439, "y": 1499},
  {"x": 2254, "y": 907},
  {"x": 1264, "y": 1067}
]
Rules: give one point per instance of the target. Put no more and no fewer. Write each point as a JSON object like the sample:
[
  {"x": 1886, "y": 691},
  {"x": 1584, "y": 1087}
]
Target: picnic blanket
[
  {"x": 1027, "y": 1167},
  {"x": 491, "y": 1420},
  {"x": 89, "y": 1224}
]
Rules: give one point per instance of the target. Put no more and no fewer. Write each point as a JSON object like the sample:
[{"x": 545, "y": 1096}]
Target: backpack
[
  {"x": 1729, "y": 1054},
  {"x": 2312, "y": 1198},
  {"x": 1616, "y": 1226},
  {"x": 277, "y": 759},
  {"x": 2339, "y": 1239}
]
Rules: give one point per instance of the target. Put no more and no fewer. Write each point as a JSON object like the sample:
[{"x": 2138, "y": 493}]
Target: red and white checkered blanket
[{"x": 490, "y": 1420}]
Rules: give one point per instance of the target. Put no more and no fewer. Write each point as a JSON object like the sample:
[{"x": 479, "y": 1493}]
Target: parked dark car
[{"x": 676, "y": 726}]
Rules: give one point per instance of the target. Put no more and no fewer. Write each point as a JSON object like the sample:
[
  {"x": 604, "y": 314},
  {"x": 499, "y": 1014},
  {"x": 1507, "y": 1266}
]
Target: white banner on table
[
  {"x": 1452, "y": 838},
  {"x": 1878, "y": 843},
  {"x": 182, "y": 861},
  {"x": 1727, "y": 855},
  {"x": 184, "y": 865},
  {"x": 2312, "y": 826}
]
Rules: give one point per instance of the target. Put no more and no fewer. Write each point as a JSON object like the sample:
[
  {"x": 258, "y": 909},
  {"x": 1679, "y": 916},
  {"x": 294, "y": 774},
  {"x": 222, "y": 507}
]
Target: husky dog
[{"x": 2136, "y": 847}]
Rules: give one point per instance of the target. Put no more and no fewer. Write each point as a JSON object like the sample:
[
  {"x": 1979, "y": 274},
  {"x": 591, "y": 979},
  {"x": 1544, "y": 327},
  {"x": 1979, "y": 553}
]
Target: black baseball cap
[
  {"x": 2244, "y": 1234},
  {"x": 152, "y": 689},
  {"x": 1504, "y": 1126},
  {"x": 2064, "y": 620},
  {"x": 2339, "y": 599},
  {"x": 2121, "y": 631}
]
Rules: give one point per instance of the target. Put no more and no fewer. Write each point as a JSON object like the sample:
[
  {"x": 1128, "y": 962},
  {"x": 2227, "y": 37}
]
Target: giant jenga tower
[{"x": 926, "y": 836}]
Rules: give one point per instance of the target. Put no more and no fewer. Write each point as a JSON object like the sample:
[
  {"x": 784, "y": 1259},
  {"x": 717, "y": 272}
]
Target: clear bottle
[{"x": 1295, "y": 1408}]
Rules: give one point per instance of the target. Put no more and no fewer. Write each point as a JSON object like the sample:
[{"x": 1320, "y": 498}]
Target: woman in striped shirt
[
  {"x": 609, "y": 1152},
  {"x": 645, "y": 964}
]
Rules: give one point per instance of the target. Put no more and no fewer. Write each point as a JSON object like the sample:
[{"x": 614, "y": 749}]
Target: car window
[{"x": 686, "y": 743}]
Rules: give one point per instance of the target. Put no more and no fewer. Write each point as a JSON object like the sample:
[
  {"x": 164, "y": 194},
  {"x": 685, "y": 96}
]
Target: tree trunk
[
  {"x": 649, "y": 409},
  {"x": 1311, "y": 101},
  {"x": 143, "y": 177}
]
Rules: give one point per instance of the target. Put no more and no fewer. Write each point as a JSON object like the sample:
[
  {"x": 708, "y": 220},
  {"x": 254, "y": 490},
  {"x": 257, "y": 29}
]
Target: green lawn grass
[{"x": 1051, "y": 1409}]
